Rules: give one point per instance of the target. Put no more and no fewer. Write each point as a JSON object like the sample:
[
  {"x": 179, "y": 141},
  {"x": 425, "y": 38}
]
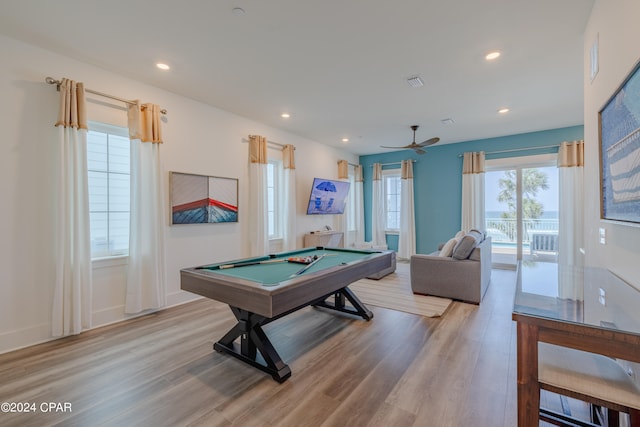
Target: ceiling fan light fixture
[
  {"x": 415, "y": 81},
  {"x": 417, "y": 148}
]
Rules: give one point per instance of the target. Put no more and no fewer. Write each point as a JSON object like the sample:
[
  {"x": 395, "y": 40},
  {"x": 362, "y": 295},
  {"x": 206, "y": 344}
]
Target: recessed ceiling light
[
  {"x": 285, "y": 115},
  {"x": 492, "y": 55},
  {"x": 503, "y": 110},
  {"x": 238, "y": 11},
  {"x": 345, "y": 139},
  {"x": 162, "y": 66}
]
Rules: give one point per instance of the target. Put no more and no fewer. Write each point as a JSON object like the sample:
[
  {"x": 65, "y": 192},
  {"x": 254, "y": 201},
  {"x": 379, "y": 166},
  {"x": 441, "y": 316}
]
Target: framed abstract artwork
[
  {"x": 619, "y": 122},
  {"x": 202, "y": 199}
]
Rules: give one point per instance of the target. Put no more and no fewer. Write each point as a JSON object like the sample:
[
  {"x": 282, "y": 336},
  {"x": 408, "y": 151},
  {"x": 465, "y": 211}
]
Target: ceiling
[{"x": 338, "y": 67}]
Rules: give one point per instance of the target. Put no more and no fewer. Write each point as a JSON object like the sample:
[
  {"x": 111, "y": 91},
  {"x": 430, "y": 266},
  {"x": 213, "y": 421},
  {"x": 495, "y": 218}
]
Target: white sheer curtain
[
  {"x": 145, "y": 278},
  {"x": 288, "y": 157},
  {"x": 358, "y": 194},
  {"x": 343, "y": 175},
  {"x": 473, "y": 215},
  {"x": 71, "y": 311},
  {"x": 570, "y": 227},
  {"x": 377, "y": 205},
  {"x": 258, "y": 228},
  {"x": 407, "y": 238}
]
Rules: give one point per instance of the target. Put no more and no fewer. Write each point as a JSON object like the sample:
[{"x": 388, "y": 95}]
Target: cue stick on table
[
  {"x": 271, "y": 261},
  {"x": 308, "y": 266},
  {"x": 243, "y": 264}
]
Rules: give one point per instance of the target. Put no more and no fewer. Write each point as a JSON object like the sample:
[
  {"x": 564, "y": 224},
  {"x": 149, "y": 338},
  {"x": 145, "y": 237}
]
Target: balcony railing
[{"x": 504, "y": 230}]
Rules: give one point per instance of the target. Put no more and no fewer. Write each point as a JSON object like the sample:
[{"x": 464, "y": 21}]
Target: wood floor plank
[
  {"x": 415, "y": 389},
  {"x": 380, "y": 379}
]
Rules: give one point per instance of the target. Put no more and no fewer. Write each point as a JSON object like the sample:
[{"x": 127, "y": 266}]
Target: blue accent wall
[{"x": 438, "y": 180}]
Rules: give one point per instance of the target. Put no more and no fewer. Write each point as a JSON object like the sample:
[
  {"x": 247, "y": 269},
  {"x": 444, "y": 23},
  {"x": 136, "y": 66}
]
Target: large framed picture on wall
[
  {"x": 202, "y": 199},
  {"x": 619, "y": 122}
]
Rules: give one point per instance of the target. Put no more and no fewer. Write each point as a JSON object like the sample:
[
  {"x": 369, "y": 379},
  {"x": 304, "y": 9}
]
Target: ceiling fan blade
[
  {"x": 413, "y": 146},
  {"x": 405, "y": 146},
  {"x": 429, "y": 142}
]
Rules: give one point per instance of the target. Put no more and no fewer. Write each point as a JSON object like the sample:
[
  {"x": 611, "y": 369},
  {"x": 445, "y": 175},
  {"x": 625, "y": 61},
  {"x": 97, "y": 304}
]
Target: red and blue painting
[{"x": 201, "y": 199}]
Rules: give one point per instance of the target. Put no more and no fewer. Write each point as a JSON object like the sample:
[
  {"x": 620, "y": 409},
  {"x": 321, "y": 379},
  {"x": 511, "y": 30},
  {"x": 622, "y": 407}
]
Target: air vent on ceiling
[{"x": 415, "y": 81}]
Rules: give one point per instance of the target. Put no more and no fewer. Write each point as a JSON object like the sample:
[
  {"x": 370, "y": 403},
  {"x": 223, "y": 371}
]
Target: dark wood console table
[{"x": 585, "y": 309}]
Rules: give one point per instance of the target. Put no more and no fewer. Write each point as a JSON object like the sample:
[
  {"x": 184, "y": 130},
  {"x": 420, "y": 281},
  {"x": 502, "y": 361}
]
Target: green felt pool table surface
[{"x": 270, "y": 274}]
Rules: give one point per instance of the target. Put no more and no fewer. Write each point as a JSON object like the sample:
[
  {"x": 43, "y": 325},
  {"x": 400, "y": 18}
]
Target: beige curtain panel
[
  {"x": 357, "y": 171},
  {"x": 377, "y": 172},
  {"x": 473, "y": 162},
  {"x": 288, "y": 156},
  {"x": 258, "y": 149},
  {"x": 343, "y": 169},
  {"x": 144, "y": 122},
  {"x": 73, "y": 110},
  {"x": 406, "y": 170},
  {"x": 571, "y": 154}
]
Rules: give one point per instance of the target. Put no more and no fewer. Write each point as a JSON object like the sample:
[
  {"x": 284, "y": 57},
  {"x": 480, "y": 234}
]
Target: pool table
[{"x": 260, "y": 290}]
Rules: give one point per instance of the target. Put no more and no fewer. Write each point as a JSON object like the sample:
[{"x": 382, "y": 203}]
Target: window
[
  {"x": 392, "y": 194},
  {"x": 109, "y": 186},
  {"x": 274, "y": 199},
  {"x": 522, "y": 208}
]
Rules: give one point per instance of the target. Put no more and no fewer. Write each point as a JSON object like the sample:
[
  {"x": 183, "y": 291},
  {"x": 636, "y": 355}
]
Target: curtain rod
[
  {"x": 396, "y": 163},
  {"x": 53, "y": 81},
  {"x": 349, "y": 163},
  {"x": 277, "y": 144},
  {"x": 517, "y": 149}
]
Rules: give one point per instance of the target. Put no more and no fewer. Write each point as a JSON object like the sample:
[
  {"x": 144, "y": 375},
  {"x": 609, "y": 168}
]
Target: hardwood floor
[{"x": 160, "y": 370}]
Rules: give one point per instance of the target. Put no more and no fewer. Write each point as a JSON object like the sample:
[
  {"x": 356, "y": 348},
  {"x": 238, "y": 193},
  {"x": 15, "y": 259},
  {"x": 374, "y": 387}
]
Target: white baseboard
[
  {"x": 38, "y": 334},
  {"x": 181, "y": 297},
  {"x": 26, "y": 337},
  {"x": 116, "y": 314}
]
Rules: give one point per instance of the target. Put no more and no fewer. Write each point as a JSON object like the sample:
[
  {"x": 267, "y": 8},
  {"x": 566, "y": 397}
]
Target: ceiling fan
[{"x": 418, "y": 148}]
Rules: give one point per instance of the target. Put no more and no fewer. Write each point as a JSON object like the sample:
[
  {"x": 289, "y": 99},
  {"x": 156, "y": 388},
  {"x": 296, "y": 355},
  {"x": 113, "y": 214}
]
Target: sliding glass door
[{"x": 521, "y": 209}]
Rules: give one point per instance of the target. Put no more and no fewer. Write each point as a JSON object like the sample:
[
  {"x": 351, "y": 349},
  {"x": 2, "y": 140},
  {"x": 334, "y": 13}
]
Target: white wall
[
  {"x": 198, "y": 139},
  {"x": 615, "y": 25}
]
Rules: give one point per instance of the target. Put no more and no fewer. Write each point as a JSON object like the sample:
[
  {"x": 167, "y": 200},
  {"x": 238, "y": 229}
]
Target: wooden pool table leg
[
  {"x": 359, "y": 309},
  {"x": 252, "y": 340}
]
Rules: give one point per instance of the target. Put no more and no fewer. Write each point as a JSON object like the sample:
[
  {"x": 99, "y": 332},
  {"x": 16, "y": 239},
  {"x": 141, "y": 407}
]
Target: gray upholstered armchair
[{"x": 446, "y": 276}]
